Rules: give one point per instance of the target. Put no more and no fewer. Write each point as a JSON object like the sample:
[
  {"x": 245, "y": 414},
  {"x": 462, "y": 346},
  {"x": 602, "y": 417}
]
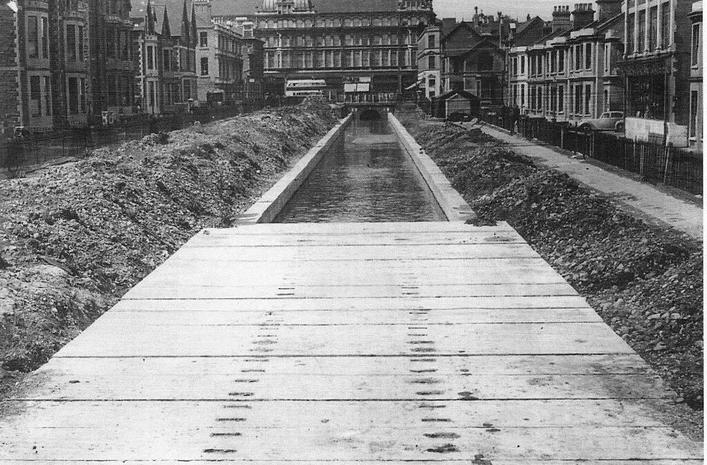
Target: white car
[{"x": 608, "y": 121}]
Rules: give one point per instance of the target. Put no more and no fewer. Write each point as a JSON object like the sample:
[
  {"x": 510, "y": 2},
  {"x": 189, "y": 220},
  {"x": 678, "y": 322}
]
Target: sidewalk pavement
[{"x": 636, "y": 196}]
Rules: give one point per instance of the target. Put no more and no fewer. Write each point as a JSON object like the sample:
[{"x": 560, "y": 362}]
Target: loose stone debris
[
  {"x": 75, "y": 237},
  {"x": 644, "y": 280}
]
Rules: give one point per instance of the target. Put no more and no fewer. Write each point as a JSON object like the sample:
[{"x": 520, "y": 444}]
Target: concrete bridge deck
[{"x": 353, "y": 344}]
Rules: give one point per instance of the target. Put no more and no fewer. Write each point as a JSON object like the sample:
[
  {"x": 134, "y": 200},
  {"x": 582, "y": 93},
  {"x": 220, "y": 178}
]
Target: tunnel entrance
[{"x": 369, "y": 115}]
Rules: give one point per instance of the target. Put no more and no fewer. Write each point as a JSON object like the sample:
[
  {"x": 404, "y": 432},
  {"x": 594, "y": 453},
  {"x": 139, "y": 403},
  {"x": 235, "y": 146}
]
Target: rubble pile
[
  {"x": 75, "y": 237},
  {"x": 644, "y": 280}
]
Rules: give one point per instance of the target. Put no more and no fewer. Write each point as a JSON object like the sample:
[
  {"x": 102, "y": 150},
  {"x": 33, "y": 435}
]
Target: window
[
  {"x": 150, "y": 57},
  {"x": 553, "y": 61},
  {"x": 71, "y": 42},
  {"x": 588, "y": 57},
  {"x": 578, "y": 57},
  {"x": 522, "y": 64},
  {"x": 73, "y": 96},
  {"x": 79, "y": 52},
  {"x": 607, "y": 103},
  {"x": 124, "y": 46},
  {"x": 561, "y": 99},
  {"x": 607, "y": 58},
  {"x": 641, "y": 42},
  {"x": 432, "y": 82},
  {"x": 577, "y": 100},
  {"x": 630, "y": 34},
  {"x": 203, "y": 39},
  {"x": 561, "y": 61},
  {"x": 667, "y": 33},
  {"x": 45, "y": 38},
  {"x": 166, "y": 59},
  {"x": 35, "y": 96},
  {"x": 694, "y": 103},
  {"x": 587, "y": 99},
  {"x": 205, "y": 66},
  {"x": 82, "y": 94},
  {"x": 47, "y": 96},
  {"x": 695, "y": 44},
  {"x": 432, "y": 62},
  {"x": 32, "y": 37},
  {"x": 522, "y": 95},
  {"x": 540, "y": 98},
  {"x": 653, "y": 29},
  {"x": 431, "y": 41}
]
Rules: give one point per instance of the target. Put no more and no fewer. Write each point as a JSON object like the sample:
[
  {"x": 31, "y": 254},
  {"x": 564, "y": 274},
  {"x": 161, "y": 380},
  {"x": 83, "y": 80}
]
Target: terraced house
[
  {"x": 112, "y": 70},
  {"x": 50, "y": 76},
  {"x": 72, "y": 63},
  {"x": 571, "y": 74},
  {"x": 165, "y": 57}
]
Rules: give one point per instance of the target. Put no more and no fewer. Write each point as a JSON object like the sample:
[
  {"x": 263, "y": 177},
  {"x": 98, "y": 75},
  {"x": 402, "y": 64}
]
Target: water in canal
[{"x": 364, "y": 177}]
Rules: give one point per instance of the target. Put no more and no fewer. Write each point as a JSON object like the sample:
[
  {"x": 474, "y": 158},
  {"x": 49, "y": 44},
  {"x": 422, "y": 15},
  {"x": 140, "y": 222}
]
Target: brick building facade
[{"x": 10, "y": 108}]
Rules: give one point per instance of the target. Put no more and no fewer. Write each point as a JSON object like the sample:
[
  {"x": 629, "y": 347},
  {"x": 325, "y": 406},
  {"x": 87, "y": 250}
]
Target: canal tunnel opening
[{"x": 370, "y": 115}]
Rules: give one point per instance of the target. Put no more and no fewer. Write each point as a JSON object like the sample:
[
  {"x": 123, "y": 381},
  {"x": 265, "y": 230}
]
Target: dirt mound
[
  {"x": 74, "y": 238},
  {"x": 645, "y": 281}
]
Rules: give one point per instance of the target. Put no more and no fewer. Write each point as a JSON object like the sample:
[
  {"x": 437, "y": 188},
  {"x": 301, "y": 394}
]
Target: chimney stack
[
  {"x": 561, "y": 18},
  {"x": 582, "y": 15}
]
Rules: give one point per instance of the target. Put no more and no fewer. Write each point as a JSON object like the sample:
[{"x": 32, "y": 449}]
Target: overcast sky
[{"x": 513, "y": 8}]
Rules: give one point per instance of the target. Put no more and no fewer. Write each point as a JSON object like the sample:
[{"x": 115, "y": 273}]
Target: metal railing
[
  {"x": 677, "y": 167},
  {"x": 17, "y": 156}
]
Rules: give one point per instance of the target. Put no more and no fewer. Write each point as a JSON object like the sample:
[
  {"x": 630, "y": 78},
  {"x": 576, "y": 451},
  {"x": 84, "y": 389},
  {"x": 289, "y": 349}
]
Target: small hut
[{"x": 456, "y": 101}]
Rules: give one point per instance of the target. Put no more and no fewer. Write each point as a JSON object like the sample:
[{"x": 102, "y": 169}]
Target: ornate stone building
[{"x": 336, "y": 40}]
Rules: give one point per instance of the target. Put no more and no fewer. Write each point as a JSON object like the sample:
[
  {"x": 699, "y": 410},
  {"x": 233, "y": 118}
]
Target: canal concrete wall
[
  {"x": 272, "y": 202},
  {"x": 450, "y": 201}
]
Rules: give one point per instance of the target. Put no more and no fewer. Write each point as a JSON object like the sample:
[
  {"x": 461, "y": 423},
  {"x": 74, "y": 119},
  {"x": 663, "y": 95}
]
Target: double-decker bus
[{"x": 302, "y": 88}]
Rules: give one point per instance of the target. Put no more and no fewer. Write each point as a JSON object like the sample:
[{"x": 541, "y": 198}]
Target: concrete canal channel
[{"x": 425, "y": 340}]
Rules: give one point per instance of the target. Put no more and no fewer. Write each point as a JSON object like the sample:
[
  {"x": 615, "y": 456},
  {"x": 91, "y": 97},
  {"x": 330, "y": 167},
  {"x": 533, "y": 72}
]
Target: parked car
[{"x": 608, "y": 121}]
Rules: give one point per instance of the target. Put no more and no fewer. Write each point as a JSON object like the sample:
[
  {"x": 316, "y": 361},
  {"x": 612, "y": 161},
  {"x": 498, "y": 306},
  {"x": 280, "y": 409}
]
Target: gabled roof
[
  {"x": 601, "y": 26},
  {"x": 448, "y": 25},
  {"x": 461, "y": 93},
  {"x": 522, "y": 27}
]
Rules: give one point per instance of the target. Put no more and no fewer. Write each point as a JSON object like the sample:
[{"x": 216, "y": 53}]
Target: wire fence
[
  {"x": 17, "y": 156},
  {"x": 655, "y": 162}
]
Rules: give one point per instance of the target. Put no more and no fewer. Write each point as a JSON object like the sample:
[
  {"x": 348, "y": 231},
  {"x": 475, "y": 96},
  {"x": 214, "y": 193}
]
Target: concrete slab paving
[{"x": 354, "y": 344}]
